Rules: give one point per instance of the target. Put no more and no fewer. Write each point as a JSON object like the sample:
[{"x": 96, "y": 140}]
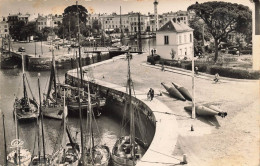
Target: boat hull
[
  {"x": 55, "y": 112},
  {"x": 70, "y": 157},
  {"x": 26, "y": 112},
  {"x": 185, "y": 93},
  {"x": 101, "y": 156},
  {"x": 122, "y": 156},
  {"x": 25, "y": 158}
]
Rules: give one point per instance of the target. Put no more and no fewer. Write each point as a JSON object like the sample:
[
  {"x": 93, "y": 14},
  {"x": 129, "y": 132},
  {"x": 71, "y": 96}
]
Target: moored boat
[
  {"x": 51, "y": 107},
  {"x": 127, "y": 149},
  {"x": 173, "y": 92},
  {"x": 25, "y": 108},
  {"x": 185, "y": 93}
]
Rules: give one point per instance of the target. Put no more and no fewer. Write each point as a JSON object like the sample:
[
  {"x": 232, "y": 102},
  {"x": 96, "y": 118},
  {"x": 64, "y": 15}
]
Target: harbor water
[{"x": 108, "y": 126}]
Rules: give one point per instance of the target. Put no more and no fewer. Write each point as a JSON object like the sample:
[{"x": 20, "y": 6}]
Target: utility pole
[
  {"x": 193, "y": 87},
  {"x": 139, "y": 34}
]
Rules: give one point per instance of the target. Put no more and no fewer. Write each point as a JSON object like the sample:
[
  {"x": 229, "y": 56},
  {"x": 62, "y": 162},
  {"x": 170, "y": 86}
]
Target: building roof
[{"x": 172, "y": 26}]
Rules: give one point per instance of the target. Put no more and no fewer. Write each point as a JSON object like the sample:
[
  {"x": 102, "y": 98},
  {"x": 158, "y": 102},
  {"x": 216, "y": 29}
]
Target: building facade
[
  {"x": 4, "y": 28},
  {"x": 43, "y": 21},
  {"x": 175, "y": 38}
]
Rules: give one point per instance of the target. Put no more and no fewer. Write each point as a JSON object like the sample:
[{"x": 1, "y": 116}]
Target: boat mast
[
  {"x": 5, "y": 156},
  {"x": 24, "y": 87},
  {"x": 80, "y": 116},
  {"x": 80, "y": 85},
  {"x": 16, "y": 133},
  {"x": 80, "y": 64},
  {"x": 41, "y": 116},
  {"x": 132, "y": 124}
]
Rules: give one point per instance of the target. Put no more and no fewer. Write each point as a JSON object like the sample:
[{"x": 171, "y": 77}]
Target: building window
[
  {"x": 185, "y": 38},
  {"x": 180, "y": 39},
  {"x": 185, "y": 51},
  {"x": 180, "y": 51},
  {"x": 166, "y": 40},
  {"x": 5, "y": 30},
  {"x": 191, "y": 38}
]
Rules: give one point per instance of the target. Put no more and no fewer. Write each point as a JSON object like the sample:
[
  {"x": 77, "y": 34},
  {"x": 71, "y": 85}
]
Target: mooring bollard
[
  {"x": 184, "y": 159},
  {"x": 192, "y": 129}
]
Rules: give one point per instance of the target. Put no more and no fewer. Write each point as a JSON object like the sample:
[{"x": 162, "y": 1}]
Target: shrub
[
  {"x": 234, "y": 73},
  {"x": 246, "y": 52}
]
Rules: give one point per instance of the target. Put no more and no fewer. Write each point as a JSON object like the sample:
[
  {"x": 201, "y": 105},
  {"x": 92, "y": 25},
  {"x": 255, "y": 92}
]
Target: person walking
[
  {"x": 151, "y": 93},
  {"x": 216, "y": 79}
]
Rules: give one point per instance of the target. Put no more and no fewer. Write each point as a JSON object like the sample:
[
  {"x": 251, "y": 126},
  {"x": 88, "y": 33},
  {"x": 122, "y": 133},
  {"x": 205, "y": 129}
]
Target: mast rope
[{"x": 30, "y": 88}]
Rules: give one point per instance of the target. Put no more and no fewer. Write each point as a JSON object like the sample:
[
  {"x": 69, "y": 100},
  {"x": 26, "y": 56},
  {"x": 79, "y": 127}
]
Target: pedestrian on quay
[
  {"x": 196, "y": 70},
  {"x": 151, "y": 93},
  {"x": 216, "y": 79}
]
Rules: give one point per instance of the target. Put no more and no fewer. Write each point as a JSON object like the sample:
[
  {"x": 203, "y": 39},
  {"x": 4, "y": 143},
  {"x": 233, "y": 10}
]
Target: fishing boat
[
  {"x": 68, "y": 153},
  {"x": 40, "y": 159},
  {"x": 96, "y": 155},
  {"x": 185, "y": 93},
  {"x": 173, "y": 92},
  {"x": 92, "y": 154},
  {"x": 128, "y": 149},
  {"x": 19, "y": 156},
  {"x": 206, "y": 111},
  {"x": 25, "y": 108},
  {"x": 52, "y": 108}
]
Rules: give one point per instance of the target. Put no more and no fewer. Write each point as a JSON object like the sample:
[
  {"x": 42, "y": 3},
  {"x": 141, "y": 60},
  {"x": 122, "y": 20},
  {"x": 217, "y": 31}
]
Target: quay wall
[
  {"x": 159, "y": 129},
  {"x": 145, "y": 121}
]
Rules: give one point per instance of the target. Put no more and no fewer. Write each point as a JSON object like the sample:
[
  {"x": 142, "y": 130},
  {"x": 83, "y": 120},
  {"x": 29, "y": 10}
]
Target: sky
[{"x": 99, "y": 6}]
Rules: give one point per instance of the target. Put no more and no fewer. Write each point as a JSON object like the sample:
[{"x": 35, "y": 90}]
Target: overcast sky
[{"x": 99, "y": 6}]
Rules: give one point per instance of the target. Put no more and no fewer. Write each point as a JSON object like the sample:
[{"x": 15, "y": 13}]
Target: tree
[
  {"x": 15, "y": 30},
  {"x": 70, "y": 21},
  {"x": 197, "y": 25},
  {"x": 173, "y": 53},
  {"x": 28, "y": 30},
  {"x": 222, "y": 18},
  {"x": 96, "y": 25}
]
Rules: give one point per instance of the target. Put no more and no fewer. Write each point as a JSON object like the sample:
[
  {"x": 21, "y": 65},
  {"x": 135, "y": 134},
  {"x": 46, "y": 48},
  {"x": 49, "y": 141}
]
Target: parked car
[
  {"x": 21, "y": 49},
  {"x": 233, "y": 50}
]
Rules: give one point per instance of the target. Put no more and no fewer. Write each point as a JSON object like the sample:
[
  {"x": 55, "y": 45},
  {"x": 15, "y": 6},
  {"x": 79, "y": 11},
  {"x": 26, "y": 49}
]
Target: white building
[
  {"x": 175, "y": 36},
  {"x": 4, "y": 28},
  {"x": 133, "y": 22},
  {"x": 43, "y": 21}
]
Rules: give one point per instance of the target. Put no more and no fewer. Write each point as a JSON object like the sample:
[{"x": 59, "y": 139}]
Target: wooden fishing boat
[
  {"x": 173, "y": 92},
  {"x": 204, "y": 111},
  {"x": 127, "y": 149},
  {"x": 68, "y": 153},
  {"x": 121, "y": 153},
  {"x": 19, "y": 156},
  {"x": 185, "y": 93},
  {"x": 22, "y": 158},
  {"x": 51, "y": 107},
  {"x": 25, "y": 108}
]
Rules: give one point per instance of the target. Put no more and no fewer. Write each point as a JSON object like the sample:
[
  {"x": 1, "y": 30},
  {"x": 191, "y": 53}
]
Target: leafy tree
[
  {"x": 96, "y": 25},
  {"x": 222, "y": 18},
  {"x": 28, "y": 30},
  {"x": 173, "y": 53},
  {"x": 70, "y": 21},
  {"x": 16, "y": 29},
  {"x": 197, "y": 25}
]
